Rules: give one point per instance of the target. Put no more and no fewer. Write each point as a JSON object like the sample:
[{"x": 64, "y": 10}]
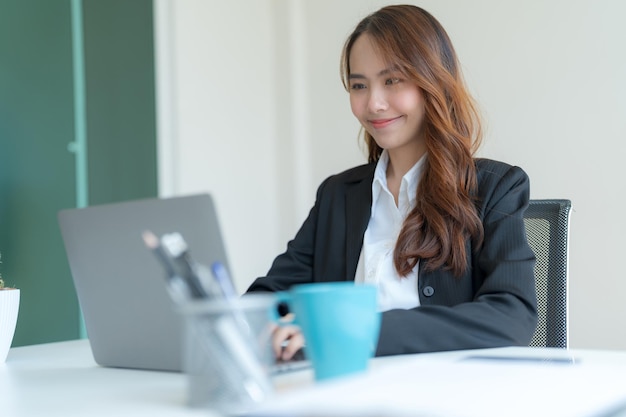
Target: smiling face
[{"x": 388, "y": 106}]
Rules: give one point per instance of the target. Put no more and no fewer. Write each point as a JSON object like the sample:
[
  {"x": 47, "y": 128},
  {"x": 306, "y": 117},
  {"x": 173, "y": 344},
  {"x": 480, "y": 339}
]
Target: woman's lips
[{"x": 380, "y": 123}]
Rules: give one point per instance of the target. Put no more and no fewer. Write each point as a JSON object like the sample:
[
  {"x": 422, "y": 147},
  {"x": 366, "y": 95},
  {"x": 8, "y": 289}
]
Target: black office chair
[{"x": 547, "y": 229}]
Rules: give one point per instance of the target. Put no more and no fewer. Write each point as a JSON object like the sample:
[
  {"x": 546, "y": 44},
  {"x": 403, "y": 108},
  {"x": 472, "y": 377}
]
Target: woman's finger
[{"x": 286, "y": 341}]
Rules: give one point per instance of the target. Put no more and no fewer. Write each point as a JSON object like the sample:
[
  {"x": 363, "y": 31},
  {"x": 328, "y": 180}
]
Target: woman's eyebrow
[
  {"x": 381, "y": 73},
  {"x": 356, "y": 76}
]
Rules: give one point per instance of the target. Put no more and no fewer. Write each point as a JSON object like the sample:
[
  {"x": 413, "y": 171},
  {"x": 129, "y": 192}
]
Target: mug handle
[{"x": 283, "y": 301}]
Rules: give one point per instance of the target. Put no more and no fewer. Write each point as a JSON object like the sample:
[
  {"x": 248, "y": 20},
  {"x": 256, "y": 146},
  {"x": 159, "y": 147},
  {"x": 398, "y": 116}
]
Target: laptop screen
[{"x": 129, "y": 316}]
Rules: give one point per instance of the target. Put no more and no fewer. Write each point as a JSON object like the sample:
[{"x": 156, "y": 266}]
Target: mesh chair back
[{"x": 547, "y": 229}]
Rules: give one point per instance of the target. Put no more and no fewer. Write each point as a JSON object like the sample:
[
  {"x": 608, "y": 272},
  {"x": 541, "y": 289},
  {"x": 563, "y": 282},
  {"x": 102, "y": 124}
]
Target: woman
[{"x": 440, "y": 233}]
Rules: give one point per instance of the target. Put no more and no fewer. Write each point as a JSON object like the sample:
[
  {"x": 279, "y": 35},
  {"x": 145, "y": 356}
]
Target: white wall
[
  {"x": 252, "y": 109},
  {"x": 217, "y": 127}
]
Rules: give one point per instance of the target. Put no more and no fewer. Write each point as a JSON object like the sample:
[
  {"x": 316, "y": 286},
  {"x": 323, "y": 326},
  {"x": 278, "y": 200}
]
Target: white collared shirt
[{"x": 376, "y": 261}]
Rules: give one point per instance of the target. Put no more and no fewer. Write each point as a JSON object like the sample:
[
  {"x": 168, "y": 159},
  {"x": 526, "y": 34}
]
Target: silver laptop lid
[{"x": 121, "y": 287}]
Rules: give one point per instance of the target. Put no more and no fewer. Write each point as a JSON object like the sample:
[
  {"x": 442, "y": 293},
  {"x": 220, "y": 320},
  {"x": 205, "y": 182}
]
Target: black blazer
[{"x": 493, "y": 304}]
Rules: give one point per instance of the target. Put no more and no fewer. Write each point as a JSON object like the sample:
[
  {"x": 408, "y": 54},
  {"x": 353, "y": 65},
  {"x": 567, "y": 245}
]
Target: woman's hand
[{"x": 286, "y": 341}]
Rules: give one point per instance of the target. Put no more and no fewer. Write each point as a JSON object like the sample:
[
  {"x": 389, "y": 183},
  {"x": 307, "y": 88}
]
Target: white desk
[
  {"x": 507, "y": 382},
  {"x": 61, "y": 379}
]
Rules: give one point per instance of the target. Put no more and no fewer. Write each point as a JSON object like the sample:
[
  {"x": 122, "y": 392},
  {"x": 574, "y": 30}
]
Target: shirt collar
[
  {"x": 410, "y": 180},
  {"x": 380, "y": 176}
]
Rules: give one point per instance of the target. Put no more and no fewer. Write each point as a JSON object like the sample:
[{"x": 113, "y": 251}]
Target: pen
[
  {"x": 178, "y": 289},
  {"x": 152, "y": 242},
  {"x": 176, "y": 247},
  {"x": 183, "y": 274},
  {"x": 225, "y": 283}
]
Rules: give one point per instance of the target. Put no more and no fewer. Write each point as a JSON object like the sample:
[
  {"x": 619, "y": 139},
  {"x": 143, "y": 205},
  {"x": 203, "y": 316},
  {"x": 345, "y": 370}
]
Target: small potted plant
[{"x": 9, "y": 307}]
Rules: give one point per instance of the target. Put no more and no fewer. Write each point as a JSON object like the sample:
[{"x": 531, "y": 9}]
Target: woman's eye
[
  {"x": 357, "y": 86},
  {"x": 391, "y": 81}
]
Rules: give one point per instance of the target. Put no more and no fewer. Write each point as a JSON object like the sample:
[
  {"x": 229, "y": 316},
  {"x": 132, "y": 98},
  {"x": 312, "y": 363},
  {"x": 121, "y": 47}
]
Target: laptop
[{"x": 129, "y": 316}]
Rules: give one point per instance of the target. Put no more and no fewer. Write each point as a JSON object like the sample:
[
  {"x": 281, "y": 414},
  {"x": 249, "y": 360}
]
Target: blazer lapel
[{"x": 358, "y": 210}]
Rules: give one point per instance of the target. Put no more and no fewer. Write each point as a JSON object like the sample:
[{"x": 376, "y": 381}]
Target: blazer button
[{"x": 428, "y": 291}]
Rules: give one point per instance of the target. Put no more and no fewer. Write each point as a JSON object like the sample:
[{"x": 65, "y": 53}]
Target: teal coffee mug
[{"x": 340, "y": 323}]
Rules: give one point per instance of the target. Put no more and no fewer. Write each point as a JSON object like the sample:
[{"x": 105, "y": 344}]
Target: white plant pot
[{"x": 9, "y": 307}]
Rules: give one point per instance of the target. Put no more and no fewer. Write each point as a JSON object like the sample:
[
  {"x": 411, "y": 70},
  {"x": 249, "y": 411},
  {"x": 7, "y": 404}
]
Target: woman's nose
[{"x": 377, "y": 101}]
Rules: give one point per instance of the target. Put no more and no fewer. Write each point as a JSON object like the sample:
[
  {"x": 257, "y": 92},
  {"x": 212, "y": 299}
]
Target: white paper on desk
[{"x": 461, "y": 389}]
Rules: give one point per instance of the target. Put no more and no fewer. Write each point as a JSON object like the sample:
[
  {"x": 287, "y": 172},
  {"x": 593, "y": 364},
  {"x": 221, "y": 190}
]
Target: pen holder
[{"x": 227, "y": 352}]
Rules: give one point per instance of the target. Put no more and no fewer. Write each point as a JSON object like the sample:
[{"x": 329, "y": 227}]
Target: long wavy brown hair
[{"x": 437, "y": 230}]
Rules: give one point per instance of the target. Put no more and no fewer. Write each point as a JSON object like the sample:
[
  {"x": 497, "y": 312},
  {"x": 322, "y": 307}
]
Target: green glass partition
[{"x": 39, "y": 121}]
